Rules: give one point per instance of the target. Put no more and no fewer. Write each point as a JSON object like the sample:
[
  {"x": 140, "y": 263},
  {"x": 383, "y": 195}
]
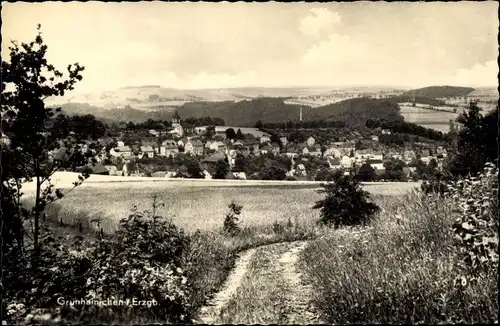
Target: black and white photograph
[{"x": 249, "y": 163}]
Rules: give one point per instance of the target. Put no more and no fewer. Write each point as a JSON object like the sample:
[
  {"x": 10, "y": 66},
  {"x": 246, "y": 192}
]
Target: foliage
[
  {"x": 440, "y": 91},
  {"x": 326, "y": 174},
  {"x": 141, "y": 261},
  {"x": 345, "y": 203},
  {"x": 404, "y": 127},
  {"x": 477, "y": 228},
  {"x": 194, "y": 170},
  {"x": 366, "y": 173},
  {"x": 272, "y": 171},
  {"x": 230, "y": 133},
  {"x": 29, "y": 126},
  {"x": 394, "y": 170},
  {"x": 221, "y": 169},
  {"x": 476, "y": 141},
  {"x": 231, "y": 220}
]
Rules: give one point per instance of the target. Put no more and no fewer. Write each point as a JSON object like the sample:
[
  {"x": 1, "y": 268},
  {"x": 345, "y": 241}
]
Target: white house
[
  {"x": 346, "y": 161},
  {"x": 120, "y": 143},
  {"x": 120, "y": 151},
  {"x": 376, "y": 164},
  {"x": 265, "y": 139},
  {"x": 334, "y": 162},
  {"x": 147, "y": 151},
  {"x": 310, "y": 141},
  {"x": 154, "y": 132},
  {"x": 377, "y": 155}
]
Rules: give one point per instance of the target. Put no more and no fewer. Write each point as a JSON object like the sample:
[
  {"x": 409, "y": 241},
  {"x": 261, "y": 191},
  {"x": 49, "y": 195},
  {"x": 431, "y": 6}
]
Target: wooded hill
[
  {"x": 354, "y": 112},
  {"x": 439, "y": 91}
]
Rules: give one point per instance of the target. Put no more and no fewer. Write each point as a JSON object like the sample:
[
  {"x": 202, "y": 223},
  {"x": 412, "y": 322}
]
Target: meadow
[
  {"x": 201, "y": 206},
  {"x": 437, "y": 120}
]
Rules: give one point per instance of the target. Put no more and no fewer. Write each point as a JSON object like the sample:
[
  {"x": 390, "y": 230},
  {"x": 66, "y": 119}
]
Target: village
[{"x": 208, "y": 145}]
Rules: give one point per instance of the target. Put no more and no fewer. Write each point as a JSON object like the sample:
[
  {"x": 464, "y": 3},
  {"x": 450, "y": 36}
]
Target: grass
[
  {"x": 193, "y": 208},
  {"x": 270, "y": 215},
  {"x": 261, "y": 297},
  {"x": 401, "y": 269}
]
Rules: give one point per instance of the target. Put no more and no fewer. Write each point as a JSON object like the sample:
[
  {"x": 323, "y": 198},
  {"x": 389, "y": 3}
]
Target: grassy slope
[{"x": 401, "y": 270}]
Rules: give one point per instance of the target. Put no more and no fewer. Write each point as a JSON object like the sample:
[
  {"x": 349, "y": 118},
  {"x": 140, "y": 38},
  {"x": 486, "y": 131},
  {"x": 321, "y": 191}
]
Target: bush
[
  {"x": 476, "y": 229},
  {"x": 345, "y": 203},
  {"x": 142, "y": 261},
  {"x": 231, "y": 221}
]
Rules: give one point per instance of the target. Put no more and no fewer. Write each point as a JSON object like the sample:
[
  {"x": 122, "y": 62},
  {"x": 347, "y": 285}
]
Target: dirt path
[
  {"x": 300, "y": 309},
  {"x": 210, "y": 313},
  {"x": 266, "y": 287}
]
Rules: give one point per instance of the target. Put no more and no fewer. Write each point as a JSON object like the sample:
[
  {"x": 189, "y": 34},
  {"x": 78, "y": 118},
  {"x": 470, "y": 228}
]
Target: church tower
[{"x": 176, "y": 125}]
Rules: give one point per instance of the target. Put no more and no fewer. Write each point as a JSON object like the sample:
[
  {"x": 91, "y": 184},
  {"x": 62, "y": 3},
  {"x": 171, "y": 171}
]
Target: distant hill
[
  {"x": 355, "y": 112},
  {"x": 243, "y": 113},
  {"x": 439, "y": 91},
  {"x": 246, "y": 113}
]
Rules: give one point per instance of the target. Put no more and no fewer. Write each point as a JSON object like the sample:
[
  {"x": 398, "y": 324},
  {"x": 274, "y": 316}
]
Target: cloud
[
  {"x": 479, "y": 75},
  {"x": 320, "y": 20}
]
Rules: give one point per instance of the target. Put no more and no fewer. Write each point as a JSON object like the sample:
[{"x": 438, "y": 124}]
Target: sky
[{"x": 221, "y": 45}]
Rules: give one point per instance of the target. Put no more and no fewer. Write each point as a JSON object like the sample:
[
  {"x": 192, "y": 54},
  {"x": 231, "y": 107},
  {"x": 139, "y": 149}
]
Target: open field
[{"x": 199, "y": 204}]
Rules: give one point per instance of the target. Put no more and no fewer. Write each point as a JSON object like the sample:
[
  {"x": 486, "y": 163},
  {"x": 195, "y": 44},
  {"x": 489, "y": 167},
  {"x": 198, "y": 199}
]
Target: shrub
[
  {"x": 231, "y": 221},
  {"x": 477, "y": 228},
  {"x": 345, "y": 203},
  {"x": 142, "y": 261}
]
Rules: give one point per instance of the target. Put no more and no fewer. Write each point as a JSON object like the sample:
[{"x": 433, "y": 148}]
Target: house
[
  {"x": 121, "y": 151},
  {"x": 377, "y": 155},
  {"x": 155, "y": 133},
  {"x": 120, "y": 143},
  {"x": 375, "y": 138},
  {"x": 275, "y": 148},
  {"x": 98, "y": 168},
  {"x": 194, "y": 147},
  {"x": 266, "y": 149},
  {"x": 425, "y": 156},
  {"x": 284, "y": 140},
  {"x": 362, "y": 155},
  {"x": 376, "y": 164},
  {"x": 409, "y": 155},
  {"x": 310, "y": 141},
  {"x": 252, "y": 145},
  {"x": 346, "y": 161},
  {"x": 113, "y": 170},
  {"x": 147, "y": 151},
  {"x": 334, "y": 162},
  {"x": 386, "y": 132},
  {"x": 265, "y": 139},
  {"x": 218, "y": 146},
  {"x": 214, "y": 158},
  {"x": 292, "y": 151},
  {"x": 169, "y": 150},
  {"x": 182, "y": 142},
  {"x": 128, "y": 158},
  {"x": 301, "y": 169}
]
